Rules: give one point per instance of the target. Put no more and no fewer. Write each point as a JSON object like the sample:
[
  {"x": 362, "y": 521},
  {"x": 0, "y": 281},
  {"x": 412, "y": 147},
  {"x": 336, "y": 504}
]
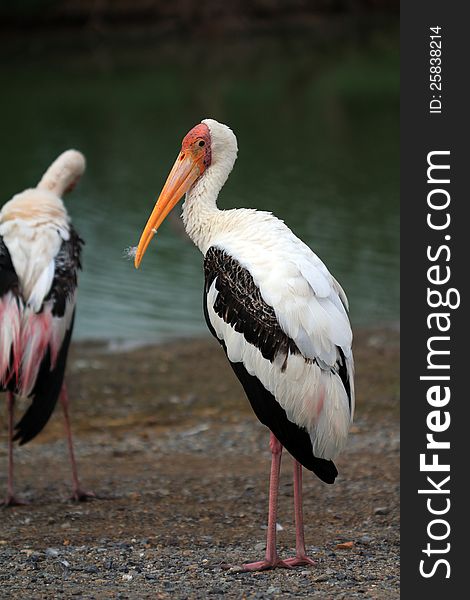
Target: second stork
[{"x": 39, "y": 262}]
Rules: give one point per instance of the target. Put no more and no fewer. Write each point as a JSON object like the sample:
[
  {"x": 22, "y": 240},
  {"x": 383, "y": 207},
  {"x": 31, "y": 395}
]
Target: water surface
[{"x": 317, "y": 126}]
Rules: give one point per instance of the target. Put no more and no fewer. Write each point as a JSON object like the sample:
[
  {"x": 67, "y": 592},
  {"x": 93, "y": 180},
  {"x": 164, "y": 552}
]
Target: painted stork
[
  {"x": 277, "y": 312},
  {"x": 39, "y": 260}
]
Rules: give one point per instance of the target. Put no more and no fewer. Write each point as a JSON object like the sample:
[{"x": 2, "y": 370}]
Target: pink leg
[
  {"x": 10, "y": 499},
  {"x": 301, "y": 557},
  {"x": 77, "y": 493},
  {"x": 272, "y": 560}
]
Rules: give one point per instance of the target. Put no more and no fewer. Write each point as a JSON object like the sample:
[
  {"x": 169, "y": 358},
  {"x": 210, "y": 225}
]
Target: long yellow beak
[{"x": 183, "y": 174}]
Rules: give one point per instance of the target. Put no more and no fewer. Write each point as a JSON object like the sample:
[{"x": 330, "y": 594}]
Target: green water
[{"x": 317, "y": 126}]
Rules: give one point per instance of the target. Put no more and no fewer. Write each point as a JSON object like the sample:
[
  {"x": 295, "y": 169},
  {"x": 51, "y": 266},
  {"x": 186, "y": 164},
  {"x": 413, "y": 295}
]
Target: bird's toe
[
  {"x": 12, "y": 500},
  {"x": 300, "y": 560},
  {"x": 79, "y": 495},
  {"x": 264, "y": 565}
]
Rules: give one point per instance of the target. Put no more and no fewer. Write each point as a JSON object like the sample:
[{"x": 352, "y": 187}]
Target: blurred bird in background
[{"x": 39, "y": 262}]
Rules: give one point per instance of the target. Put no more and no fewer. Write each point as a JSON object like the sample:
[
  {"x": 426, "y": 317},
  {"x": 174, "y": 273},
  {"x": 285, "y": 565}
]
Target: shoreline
[{"x": 122, "y": 345}]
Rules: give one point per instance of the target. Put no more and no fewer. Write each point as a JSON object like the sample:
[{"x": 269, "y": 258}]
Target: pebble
[
  {"x": 235, "y": 569},
  {"x": 365, "y": 539},
  {"x": 381, "y": 510},
  {"x": 91, "y": 569}
]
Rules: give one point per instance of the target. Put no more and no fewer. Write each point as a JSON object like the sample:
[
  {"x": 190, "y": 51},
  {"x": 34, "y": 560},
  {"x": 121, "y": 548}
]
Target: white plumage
[{"x": 279, "y": 314}]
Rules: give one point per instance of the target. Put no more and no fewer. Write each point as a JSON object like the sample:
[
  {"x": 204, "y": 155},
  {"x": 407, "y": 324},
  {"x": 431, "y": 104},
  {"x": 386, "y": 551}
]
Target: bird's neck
[
  {"x": 60, "y": 177},
  {"x": 201, "y": 217}
]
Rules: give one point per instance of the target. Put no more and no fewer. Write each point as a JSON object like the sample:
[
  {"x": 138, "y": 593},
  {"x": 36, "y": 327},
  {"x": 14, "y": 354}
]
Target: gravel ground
[{"x": 167, "y": 441}]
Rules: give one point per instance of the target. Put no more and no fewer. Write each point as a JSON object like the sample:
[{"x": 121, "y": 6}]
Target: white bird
[
  {"x": 278, "y": 313},
  {"x": 39, "y": 261}
]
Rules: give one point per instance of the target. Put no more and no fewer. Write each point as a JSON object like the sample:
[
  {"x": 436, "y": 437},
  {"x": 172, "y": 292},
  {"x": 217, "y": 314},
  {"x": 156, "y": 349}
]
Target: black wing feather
[
  {"x": 67, "y": 263},
  {"x": 239, "y": 303},
  {"x": 295, "y": 439},
  {"x": 8, "y": 277}
]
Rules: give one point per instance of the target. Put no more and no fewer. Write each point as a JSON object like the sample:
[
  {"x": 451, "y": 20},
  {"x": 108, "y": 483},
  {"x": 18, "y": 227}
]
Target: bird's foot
[
  {"x": 299, "y": 560},
  {"x": 263, "y": 565},
  {"x": 79, "y": 495},
  {"x": 12, "y": 500}
]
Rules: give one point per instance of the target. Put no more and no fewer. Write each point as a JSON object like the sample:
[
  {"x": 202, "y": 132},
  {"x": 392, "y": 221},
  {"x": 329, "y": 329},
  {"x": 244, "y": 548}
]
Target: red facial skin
[{"x": 201, "y": 153}]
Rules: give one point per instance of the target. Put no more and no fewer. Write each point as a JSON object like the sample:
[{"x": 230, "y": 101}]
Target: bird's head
[{"x": 204, "y": 146}]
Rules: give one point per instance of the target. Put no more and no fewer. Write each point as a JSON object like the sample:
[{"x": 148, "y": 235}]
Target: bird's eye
[{"x": 202, "y": 143}]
